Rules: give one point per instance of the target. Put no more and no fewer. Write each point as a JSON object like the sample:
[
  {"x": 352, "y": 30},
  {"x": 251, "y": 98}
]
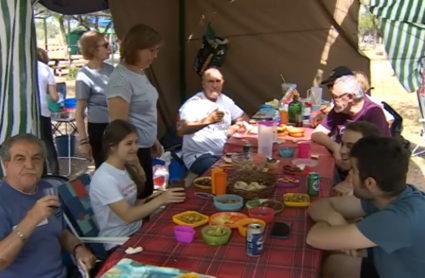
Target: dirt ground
[{"x": 387, "y": 88}]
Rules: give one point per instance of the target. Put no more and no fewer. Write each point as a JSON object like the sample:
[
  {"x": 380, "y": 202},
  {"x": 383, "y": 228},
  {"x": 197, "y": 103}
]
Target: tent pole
[{"x": 182, "y": 49}]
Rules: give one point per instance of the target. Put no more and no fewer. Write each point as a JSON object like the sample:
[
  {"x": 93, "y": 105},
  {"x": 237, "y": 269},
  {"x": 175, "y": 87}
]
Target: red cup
[{"x": 304, "y": 150}]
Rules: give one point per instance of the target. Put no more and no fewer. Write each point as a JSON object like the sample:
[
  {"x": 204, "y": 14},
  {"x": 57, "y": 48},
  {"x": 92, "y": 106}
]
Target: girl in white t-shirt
[{"x": 116, "y": 185}]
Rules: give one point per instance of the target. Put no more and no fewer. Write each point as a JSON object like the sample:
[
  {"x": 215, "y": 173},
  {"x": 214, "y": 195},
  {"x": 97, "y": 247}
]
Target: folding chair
[
  {"x": 80, "y": 217},
  {"x": 421, "y": 100}
]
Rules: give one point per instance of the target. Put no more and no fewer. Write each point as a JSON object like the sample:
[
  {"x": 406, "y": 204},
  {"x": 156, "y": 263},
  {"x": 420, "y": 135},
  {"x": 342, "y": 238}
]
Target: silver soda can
[{"x": 255, "y": 240}]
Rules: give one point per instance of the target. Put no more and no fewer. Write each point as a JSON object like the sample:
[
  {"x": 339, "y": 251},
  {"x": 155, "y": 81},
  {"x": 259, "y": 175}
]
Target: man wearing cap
[{"x": 350, "y": 105}]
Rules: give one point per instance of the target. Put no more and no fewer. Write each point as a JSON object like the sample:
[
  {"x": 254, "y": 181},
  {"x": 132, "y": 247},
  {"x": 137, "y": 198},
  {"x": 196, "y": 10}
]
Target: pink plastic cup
[
  {"x": 184, "y": 234},
  {"x": 304, "y": 150}
]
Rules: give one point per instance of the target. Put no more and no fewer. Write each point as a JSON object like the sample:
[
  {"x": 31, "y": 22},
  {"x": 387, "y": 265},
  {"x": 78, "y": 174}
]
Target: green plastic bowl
[
  {"x": 216, "y": 240},
  {"x": 257, "y": 203}
]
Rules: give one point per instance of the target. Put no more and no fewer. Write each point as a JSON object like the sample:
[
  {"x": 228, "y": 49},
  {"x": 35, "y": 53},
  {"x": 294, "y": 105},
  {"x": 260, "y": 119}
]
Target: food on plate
[
  {"x": 191, "y": 218},
  {"x": 281, "y": 128},
  {"x": 297, "y": 198},
  {"x": 249, "y": 187},
  {"x": 291, "y": 169},
  {"x": 203, "y": 181},
  {"x": 216, "y": 231},
  {"x": 288, "y": 180},
  {"x": 228, "y": 201},
  {"x": 272, "y": 204},
  {"x": 296, "y": 132}
]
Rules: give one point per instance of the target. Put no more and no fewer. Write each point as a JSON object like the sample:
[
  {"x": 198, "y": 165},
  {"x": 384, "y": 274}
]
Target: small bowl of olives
[{"x": 216, "y": 235}]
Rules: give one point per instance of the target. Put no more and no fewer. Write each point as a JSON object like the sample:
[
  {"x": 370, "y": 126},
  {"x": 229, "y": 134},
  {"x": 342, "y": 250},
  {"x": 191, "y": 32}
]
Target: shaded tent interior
[{"x": 302, "y": 40}]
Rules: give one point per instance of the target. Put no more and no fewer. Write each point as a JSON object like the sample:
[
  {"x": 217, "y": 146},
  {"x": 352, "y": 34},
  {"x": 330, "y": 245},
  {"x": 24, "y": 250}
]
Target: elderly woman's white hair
[{"x": 350, "y": 84}]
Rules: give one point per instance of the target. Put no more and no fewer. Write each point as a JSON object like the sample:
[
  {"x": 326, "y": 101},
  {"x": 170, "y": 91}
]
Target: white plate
[{"x": 305, "y": 161}]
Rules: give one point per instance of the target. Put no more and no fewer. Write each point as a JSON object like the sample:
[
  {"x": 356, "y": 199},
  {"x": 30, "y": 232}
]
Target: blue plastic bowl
[
  {"x": 228, "y": 207},
  {"x": 70, "y": 103},
  {"x": 287, "y": 152}
]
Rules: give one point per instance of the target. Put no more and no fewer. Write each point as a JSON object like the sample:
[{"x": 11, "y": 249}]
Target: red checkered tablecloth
[{"x": 290, "y": 258}]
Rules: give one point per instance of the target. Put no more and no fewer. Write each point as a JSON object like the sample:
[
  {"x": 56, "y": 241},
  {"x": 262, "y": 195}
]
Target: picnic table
[{"x": 290, "y": 258}]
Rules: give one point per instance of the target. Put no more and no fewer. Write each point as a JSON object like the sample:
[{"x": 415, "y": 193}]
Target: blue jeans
[{"x": 203, "y": 163}]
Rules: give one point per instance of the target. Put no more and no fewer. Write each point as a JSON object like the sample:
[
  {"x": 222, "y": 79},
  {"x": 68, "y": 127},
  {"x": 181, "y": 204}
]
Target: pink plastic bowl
[{"x": 184, "y": 234}]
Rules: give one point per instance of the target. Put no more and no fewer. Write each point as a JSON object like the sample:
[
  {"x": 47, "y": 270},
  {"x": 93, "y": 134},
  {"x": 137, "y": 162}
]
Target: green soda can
[{"x": 313, "y": 184}]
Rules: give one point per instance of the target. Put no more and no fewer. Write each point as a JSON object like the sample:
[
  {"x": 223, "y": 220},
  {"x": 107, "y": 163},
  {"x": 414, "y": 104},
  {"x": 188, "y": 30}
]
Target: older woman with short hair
[
  {"x": 90, "y": 86},
  {"x": 132, "y": 97}
]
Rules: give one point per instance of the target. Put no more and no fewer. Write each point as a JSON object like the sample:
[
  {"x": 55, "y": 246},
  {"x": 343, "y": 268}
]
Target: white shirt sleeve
[
  {"x": 50, "y": 77},
  {"x": 105, "y": 189},
  {"x": 191, "y": 110},
  {"x": 235, "y": 111}
]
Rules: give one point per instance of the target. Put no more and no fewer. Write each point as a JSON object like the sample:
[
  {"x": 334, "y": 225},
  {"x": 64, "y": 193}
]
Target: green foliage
[
  {"x": 72, "y": 74},
  {"x": 369, "y": 24}
]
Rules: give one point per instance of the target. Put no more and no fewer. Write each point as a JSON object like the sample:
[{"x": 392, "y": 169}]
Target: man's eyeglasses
[{"x": 334, "y": 97}]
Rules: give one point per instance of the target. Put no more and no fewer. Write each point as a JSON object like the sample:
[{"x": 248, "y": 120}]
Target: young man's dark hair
[
  {"x": 385, "y": 160},
  {"x": 365, "y": 128}
]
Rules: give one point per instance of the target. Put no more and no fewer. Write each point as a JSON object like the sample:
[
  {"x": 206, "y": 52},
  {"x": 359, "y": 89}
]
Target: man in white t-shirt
[{"x": 207, "y": 120}]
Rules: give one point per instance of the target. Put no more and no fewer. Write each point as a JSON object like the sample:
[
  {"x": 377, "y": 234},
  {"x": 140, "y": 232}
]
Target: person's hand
[
  {"x": 86, "y": 152},
  {"x": 233, "y": 129},
  {"x": 173, "y": 195},
  {"x": 157, "y": 149},
  {"x": 336, "y": 153},
  {"x": 43, "y": 208},
  {"x": 343, "y": 188},
  {"x": 215, "y": 116},
  {"x": 85, "y": 256}
]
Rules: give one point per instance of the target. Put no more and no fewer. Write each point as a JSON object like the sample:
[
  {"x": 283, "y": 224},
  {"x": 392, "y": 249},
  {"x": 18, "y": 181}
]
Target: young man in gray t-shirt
[{"x": 392, "y": 227}]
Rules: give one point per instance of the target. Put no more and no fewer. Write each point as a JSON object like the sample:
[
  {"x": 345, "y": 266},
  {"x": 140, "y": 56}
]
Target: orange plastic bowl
[
  {"x": 263, "y": 213},
  {"x": 243, "y": 224}
]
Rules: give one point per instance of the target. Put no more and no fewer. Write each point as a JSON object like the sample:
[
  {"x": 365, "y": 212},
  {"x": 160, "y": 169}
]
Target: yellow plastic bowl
[{"x": 243, "y": 224}]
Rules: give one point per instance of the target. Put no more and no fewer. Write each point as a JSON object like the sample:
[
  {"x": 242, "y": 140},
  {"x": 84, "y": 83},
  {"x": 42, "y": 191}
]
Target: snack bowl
[
  {"x": 203, "y": 183},
  {"x": 244, "y": 223},
  {"x": 190, "y": 218},
  {"x": 270, "y": 203},
  {"x": 263, "y": 213},
  {"x": 216, "y": 235},
  {"x": 296, "y": 200},
  {"x": 287, "y": 152},
  {"x": 184, "y": 234},
  {"x": 228, "y": 202},
  {"x": 251, "y": 162}
]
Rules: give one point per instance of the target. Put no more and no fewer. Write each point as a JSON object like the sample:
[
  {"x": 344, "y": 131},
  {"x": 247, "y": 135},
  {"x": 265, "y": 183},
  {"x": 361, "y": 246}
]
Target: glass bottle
[{"x": 294, "y": 110}]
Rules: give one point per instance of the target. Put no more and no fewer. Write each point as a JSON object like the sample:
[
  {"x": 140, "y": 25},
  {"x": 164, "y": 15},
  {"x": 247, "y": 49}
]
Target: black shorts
[{"x": 368, "y": 269}]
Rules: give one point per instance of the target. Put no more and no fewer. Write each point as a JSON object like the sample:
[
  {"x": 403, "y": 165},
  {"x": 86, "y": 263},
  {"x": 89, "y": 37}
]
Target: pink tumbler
[
  {"x": 184, "y": 234},
  {"x": 304, "y": 150}
]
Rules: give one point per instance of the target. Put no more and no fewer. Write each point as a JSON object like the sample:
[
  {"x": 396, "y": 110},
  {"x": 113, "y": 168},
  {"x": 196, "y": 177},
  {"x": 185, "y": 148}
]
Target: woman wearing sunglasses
[{"x": 90, "y": 86}]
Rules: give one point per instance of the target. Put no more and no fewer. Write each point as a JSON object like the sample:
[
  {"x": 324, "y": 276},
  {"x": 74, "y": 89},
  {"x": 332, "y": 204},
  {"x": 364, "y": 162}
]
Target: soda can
[
  {"x": 247, "y": 148},
  {"x": 313, "y": 184},
  {"x": 254, "y": 240}
]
